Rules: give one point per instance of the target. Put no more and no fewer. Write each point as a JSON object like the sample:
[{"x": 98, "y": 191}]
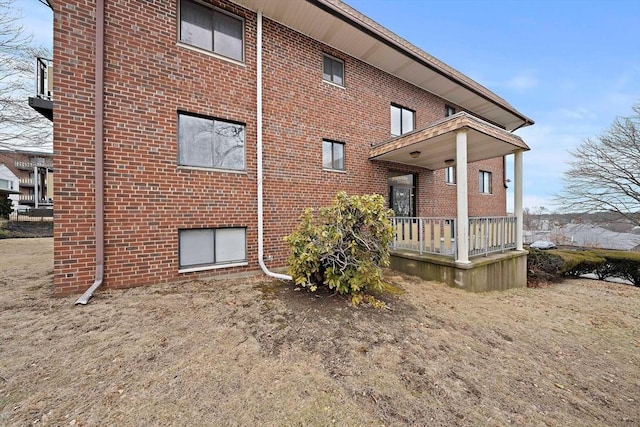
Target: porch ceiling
[{"x": 437, "y": 143}]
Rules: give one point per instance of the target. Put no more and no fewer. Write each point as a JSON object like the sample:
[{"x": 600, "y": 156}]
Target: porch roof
[{"x": 435, "y": 144}]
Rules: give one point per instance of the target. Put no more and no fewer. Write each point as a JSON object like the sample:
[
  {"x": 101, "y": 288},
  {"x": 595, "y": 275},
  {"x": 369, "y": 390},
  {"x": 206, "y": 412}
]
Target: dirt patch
[
  {"x": 258, "y": 352},
  {"x": 25, "y": 229}
]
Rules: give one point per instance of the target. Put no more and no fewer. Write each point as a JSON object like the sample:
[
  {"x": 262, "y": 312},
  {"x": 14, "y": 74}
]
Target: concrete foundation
[{"x": 495, "y": 272}]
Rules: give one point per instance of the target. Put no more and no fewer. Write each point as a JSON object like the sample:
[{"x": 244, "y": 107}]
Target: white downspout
[{"x": 259, "y": 149}]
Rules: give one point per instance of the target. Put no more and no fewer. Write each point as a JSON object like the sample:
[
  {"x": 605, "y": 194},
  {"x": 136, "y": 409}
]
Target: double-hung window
[
  {"x": 402, "y": 120},
  {"x": 332, "y": 70},
  {"x": 210, "y": 247},
  {"x": 210, "y": 143},
  {"x": 485, "y": 182},
  {"x": 450, "y": 175},
  {"x": 211, "y": 29},
  {"x": 332, "y": 155}
]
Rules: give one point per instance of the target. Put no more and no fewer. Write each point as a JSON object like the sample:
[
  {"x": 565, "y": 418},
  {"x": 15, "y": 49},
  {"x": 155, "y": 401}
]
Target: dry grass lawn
[{"x": 257, "y": 352}]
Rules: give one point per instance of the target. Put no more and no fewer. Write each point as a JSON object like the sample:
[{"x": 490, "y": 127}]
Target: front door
[{"x": 402, "y": 194}]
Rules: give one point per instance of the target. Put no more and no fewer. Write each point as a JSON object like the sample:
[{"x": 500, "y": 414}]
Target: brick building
[
  {"x": 28, "y": 178},
  {"x": 189, "y": 135}
]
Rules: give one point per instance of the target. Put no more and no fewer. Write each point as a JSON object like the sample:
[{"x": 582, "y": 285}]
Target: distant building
[
  {"x": 588, "y": 235},
  {"x": 26, "y": 177}
]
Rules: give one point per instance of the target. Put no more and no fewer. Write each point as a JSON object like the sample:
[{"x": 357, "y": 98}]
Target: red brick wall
[{"x": 149, "y": 77}]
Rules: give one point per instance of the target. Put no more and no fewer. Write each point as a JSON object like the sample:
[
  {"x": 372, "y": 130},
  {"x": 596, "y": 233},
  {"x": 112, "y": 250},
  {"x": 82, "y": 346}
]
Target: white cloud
[{"x": 521, "y": 82}]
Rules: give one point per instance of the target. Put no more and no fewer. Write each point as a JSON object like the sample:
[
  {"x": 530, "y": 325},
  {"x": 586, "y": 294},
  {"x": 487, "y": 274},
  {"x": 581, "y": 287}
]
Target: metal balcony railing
[{"x": 44, "y": 78}]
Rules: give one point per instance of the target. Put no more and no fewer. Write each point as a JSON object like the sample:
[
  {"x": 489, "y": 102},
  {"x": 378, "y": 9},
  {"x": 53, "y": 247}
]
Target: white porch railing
[
  {"x": 425, "y": 235},
  {"x": 438, "y": 235},
  {"x": 491, "y": 234}
]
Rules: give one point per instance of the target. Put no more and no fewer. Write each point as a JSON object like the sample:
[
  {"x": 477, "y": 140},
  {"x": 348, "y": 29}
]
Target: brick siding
[{"x": 149, "y": 76}]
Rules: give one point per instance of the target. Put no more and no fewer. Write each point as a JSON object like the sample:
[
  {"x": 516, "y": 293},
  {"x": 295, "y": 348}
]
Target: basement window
[
  {"x": 211, "y": 29},
  {"x": 205, "y": 248}
]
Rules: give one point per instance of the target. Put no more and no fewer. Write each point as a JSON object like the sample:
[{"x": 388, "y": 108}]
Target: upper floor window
[
  {"x": 450, "y": 175},
  {"x": 210, "y": 143},
  {"x": 402, "y": 120},
  {"x": 449, "y": 110},
  {"x": 332, "y": 155},
  {"x": 210, "y": 29},
  {"x": 332, "y": 70},
  {"x": 485, "y": 182}
]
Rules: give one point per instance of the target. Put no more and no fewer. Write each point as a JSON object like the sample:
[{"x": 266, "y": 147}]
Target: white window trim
[
  {"x": 343, "y": 71},
  {"x": 490, "y": 192},
  {"x": 212, "y": 267},
  {"x": 204, "y": 169},
  {"x": 454, "y": 176},
  {"x": 210, "y": 52}
]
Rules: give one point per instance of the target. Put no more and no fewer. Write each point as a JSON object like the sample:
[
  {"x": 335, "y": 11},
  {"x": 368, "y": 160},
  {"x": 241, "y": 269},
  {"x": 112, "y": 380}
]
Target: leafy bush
[
  {"x": 549, "y": 266},
  {"x": 624, "y": 265},
  {"x": 577, "y": 263},
  {"x": 344, "y": 248}
]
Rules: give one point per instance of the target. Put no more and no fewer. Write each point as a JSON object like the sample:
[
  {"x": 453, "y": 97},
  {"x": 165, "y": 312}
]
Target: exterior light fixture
[
  {"x": 449, "y": 161},
  {"x": 414, "y": 154}
]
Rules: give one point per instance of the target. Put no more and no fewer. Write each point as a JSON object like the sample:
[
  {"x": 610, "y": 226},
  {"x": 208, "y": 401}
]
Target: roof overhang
[
  {"x": 337, "y": 25},
  {"x": 434, "y": 146}
]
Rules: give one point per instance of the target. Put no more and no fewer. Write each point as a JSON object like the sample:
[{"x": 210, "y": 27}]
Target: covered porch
[{"x": 475, "y": 253}]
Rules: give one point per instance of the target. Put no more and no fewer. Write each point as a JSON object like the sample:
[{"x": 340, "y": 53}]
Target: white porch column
[
  {"x": 36, "y": 182},
  {"x": 462, "y": 221},
  {"x": 517, "y": 202}
]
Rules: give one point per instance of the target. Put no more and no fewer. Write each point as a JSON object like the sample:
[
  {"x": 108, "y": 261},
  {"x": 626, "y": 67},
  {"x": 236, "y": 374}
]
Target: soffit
[{"x": 343, "y": 28}]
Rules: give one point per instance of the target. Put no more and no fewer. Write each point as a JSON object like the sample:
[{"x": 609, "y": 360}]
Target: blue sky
[{"x": 572, "y": 66}]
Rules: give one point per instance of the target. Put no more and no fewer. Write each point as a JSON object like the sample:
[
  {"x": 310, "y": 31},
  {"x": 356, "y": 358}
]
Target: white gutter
[{"x": 259, "y": 149}]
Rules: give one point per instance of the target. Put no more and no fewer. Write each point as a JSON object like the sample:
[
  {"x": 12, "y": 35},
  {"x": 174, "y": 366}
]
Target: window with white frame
[
  {"x": 210, "y": 247},
  {"x": 211, "y": 29},
  {"x": 450, "y": 175},
  {"x": 449, "y": 110},
  {"x": 485, "y": 182},
  {"x": 332, "y": 155},
  {"x": 5, "y": 184},
  {"x": 332, "y": 69},
  {"x": 210, "y": 143},
  {"x": 402, "y": 120}
]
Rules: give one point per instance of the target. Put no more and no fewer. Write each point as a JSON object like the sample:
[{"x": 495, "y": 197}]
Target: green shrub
[
  {"x": 344, "y": 248},
  {"x": 552, "y": 265},
  {"x": 577, "y": 263},
  {"x": 622, "y": 264}
]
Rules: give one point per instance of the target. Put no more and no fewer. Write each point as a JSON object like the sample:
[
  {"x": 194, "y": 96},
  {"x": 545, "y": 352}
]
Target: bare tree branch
[
  {"x": 20, "y": 125},
  {"x": 604, "y": 175}
]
